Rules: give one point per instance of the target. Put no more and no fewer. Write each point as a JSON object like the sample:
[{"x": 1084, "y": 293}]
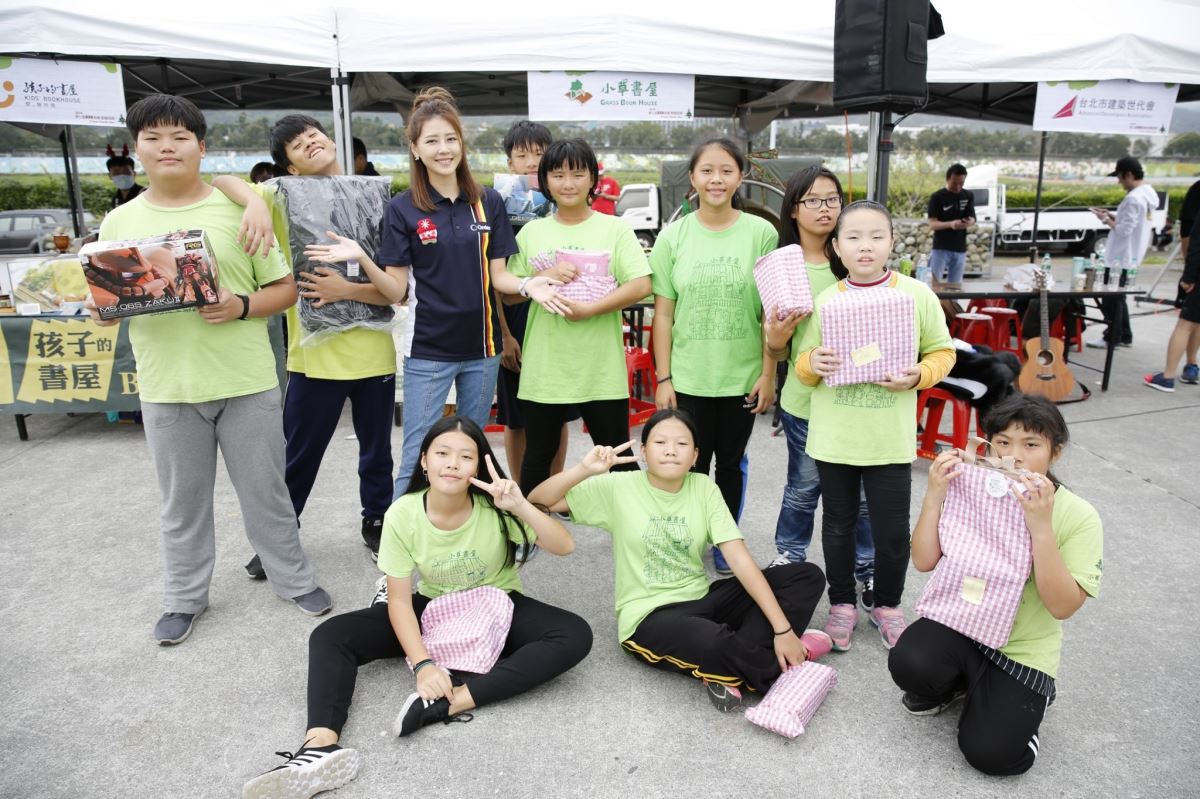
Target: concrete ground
[{"x": 93, "y": 708}]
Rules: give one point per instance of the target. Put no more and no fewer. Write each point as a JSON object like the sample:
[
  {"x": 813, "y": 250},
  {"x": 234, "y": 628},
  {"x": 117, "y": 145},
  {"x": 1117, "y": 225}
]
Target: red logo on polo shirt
[{"x": 427, "y": 231}]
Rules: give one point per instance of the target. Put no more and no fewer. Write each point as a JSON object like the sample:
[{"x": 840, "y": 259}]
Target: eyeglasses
[{"x": 813, "y": 203}]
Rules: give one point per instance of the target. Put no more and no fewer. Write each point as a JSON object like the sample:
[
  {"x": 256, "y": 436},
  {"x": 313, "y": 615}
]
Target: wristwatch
[{"x": 245, "y": 305}]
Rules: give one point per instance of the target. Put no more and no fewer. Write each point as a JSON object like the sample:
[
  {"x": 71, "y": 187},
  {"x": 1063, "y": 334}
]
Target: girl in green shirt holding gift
[
  {"x": 460, "y": 531},
  {"x": 735, "y": 633},
  {"x": 708, "y": 343}
]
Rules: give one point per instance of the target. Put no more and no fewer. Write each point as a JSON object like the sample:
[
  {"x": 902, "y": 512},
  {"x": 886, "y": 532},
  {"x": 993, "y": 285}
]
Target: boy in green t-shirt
[
  {"x": 357, "y": 364},
  {"x": 207, "y": 377}
]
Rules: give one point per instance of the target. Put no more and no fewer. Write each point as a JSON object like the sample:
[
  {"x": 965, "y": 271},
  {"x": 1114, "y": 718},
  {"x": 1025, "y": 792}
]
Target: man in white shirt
[{"x": 1129, "y": 240}]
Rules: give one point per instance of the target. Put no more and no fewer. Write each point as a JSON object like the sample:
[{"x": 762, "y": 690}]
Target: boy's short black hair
[
  {"x": 956, "y": 169},
  {"x": 569, "y": 153},
  {"x": 118, "y": 161},
  {"x": 158, "y": 109},
  {"x": 528, "y": 135},
  {"x": 286, "y": 129},
  {"x": 360, "y": 147}
]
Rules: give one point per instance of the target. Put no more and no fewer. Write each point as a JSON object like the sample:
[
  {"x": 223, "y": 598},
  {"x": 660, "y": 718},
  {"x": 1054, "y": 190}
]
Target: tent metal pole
[
  {"x": 872, "y": 152},
  {"x": 883, "y": 153},
  {"x": 71, "y": 165},
  {"x": 341, "y": 119},
  {"x": 1037, "y": 200}
]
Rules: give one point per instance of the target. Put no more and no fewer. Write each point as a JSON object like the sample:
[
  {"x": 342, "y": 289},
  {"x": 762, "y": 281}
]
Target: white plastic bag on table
[{"x": 351, "y": 206}]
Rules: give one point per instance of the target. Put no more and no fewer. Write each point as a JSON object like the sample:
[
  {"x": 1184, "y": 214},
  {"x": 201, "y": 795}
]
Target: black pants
[
  {"x": 998, "y": 729},
  {"x": 724, "y": 637},
  {"x": 607, "y": 422},
  {"x": 723, "y": 428},
  {"x": 543, "y": 642},
  {"x": 311, "y": 410},
  {"x": 1111, "y": 307},
  {"x": 888, "y": 488}
]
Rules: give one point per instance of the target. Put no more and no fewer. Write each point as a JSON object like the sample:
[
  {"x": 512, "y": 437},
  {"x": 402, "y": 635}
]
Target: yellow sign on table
[{"x": 69, "y": 360}]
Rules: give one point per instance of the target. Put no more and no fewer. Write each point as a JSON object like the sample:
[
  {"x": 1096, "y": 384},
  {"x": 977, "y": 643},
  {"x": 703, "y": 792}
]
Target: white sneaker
[
  {"x": 305, "y": 773},
  {"x": 380, "y": 591},
  {"x": 780, "y": 560},
  {"x": 1098, "y": 344}
]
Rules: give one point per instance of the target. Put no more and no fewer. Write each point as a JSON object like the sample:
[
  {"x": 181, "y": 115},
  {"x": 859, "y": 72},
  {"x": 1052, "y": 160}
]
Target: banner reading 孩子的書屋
[{"x": 564, "y": 96}]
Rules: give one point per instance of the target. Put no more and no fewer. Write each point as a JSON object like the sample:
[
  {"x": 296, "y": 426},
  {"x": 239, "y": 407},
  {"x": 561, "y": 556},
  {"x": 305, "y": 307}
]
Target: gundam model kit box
[{"x": 151, "y": 275}]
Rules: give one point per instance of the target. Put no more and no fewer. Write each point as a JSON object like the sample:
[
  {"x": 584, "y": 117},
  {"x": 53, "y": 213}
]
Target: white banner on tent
[
  {"x": 61, "y": 92},
  {"x": 1105, "y": 106},
  {"x": 562, "y": 96}
]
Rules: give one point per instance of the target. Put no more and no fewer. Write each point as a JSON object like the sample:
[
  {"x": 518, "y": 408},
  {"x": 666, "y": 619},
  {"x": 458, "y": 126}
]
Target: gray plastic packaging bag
[{"x": 351, "y": 206}]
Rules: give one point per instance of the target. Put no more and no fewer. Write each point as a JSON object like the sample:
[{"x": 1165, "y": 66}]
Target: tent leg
[
  {"x": 71, "y": 167},
  {"x": 878, "y": 182},
  {"x": 341, "y": 119},
  {"x": 1037, "y": 200}
]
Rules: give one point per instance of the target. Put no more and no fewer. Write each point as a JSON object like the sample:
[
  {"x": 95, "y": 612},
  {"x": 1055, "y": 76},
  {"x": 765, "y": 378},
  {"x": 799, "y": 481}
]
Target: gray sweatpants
[{"x": 183, "y": 439}]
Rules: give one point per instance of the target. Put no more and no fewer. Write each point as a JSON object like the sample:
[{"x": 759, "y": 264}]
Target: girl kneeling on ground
[
  {"x": 733, "y": 633},
  {"x": 447, "y": 512},
  {"x": 1007, "y": 690}
]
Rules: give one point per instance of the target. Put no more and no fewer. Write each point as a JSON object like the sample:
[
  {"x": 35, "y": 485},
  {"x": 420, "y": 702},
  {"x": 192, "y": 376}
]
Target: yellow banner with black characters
[{"x": 65, "y": 366}]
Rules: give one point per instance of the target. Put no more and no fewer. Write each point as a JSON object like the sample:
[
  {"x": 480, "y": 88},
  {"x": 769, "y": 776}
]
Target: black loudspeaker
[{"x": 880, "y": 51}]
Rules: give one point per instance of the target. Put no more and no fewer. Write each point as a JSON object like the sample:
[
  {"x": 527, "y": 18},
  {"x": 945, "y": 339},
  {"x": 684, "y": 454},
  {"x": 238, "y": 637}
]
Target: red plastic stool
[
  {"x": 639, "y": 366},
  {"x": 1058, "y": 329},
  {"x": 1005, "y": 324},
  {"x": 973, "y": 328},
  {"x": 974, "y": 306},
  {"x": 934, "y": 400}
]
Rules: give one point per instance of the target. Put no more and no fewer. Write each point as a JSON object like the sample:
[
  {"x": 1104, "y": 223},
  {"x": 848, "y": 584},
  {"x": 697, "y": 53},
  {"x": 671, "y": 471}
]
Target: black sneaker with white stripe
[
  {"x": 418, "y": 713},
  {"x": 305, "y": 773}
]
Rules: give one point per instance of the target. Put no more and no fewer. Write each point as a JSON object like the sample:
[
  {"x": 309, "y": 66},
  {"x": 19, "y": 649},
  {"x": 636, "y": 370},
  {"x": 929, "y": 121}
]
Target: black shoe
[
  {"x": 418, "y": 713},
  {"x": 724, "y": 697},
  {"x": 919, "y": 705},
  {"x": 255, "y": 570},
  {"x": 868, "y": 594},
  {"x": 372, "y": 532}
]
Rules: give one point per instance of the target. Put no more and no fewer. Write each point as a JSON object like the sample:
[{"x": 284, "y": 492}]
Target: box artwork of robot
[{"x": 151, "y": 275}]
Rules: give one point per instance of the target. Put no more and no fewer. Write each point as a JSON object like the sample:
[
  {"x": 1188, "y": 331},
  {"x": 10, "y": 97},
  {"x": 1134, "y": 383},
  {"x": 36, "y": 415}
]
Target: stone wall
[{"x": 914, "y": 237}]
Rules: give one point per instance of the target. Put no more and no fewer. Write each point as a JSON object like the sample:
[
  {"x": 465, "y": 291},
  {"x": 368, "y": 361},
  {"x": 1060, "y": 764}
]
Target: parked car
[{"x": 26, "y": 230}]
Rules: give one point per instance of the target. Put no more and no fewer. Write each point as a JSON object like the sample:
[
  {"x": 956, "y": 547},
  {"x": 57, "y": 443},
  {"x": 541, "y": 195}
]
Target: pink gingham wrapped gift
[
  {"x": 987, "y": 555},
  {"x": 782, "y": 282},
  {"x": 466, "y": 630},
  {"x": 874, "y": 332},
  {"x": 593, "y": 281},
  {"x": 794, "y": 698}
]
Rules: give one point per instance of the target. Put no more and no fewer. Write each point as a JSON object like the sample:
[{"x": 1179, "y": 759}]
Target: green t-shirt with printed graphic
[
  {"x": 796, "y": 398},
  {"x": 475, "y": 554},
  {"x": 180, "y": 357},
  {"x": 564, "y": 361},
  {"x": 658, "y": 537},
  {"x": 716, "y": 337},
  {"x": 1036, "y": 637},
  {"x": 865, "y": 424}
]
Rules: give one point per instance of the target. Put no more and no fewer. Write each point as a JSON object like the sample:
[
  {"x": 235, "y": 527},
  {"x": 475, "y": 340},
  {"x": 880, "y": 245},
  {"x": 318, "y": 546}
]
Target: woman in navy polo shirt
[{"x": 452, "y": 236}]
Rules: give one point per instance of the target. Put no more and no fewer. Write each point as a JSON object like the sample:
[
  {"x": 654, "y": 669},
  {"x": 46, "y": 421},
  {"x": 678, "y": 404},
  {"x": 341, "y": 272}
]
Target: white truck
[{"x": 1074, "y": 228}]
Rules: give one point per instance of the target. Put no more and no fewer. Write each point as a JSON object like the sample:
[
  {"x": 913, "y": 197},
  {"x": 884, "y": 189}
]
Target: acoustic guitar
[{"x": 1045, "y": 373}]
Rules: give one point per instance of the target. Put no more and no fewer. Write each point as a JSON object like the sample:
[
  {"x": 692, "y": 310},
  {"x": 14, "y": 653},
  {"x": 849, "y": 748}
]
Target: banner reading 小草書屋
[
  {"x": 61, "y": 92},
  {"x": 1105, "y": 106},
  {"x": 565, "y": 96}
]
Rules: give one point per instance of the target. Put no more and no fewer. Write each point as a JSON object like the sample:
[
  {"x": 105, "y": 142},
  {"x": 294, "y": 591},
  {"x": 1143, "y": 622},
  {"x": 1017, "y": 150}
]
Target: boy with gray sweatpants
[{"x": 207, "y": 377}]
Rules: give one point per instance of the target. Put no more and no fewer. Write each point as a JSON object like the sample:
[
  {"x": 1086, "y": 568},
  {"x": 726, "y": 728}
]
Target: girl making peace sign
[
  {"x": 449, "y": 518},
  {"x": 733, "y": 633}
]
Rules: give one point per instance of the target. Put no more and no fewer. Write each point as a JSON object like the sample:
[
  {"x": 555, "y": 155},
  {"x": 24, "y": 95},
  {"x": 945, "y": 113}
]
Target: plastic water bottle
[
  {"x": 1047, "y": 264},
  {"x": 905, "y": 265},
  {"x": 924, "y": 273},
  {"x": 1133, "y": 267}
]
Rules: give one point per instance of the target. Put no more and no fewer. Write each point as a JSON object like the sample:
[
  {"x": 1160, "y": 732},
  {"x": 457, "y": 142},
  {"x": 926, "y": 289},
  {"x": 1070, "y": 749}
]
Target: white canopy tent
[{"x": 773, "y": 60}]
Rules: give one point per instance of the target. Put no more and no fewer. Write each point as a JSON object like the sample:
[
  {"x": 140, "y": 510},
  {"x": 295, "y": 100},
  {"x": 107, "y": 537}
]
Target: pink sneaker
[
  {"x": 840, "y": 626},
  {"x": 891, "y": 624},
  {"x": 817, "y": 642}
]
